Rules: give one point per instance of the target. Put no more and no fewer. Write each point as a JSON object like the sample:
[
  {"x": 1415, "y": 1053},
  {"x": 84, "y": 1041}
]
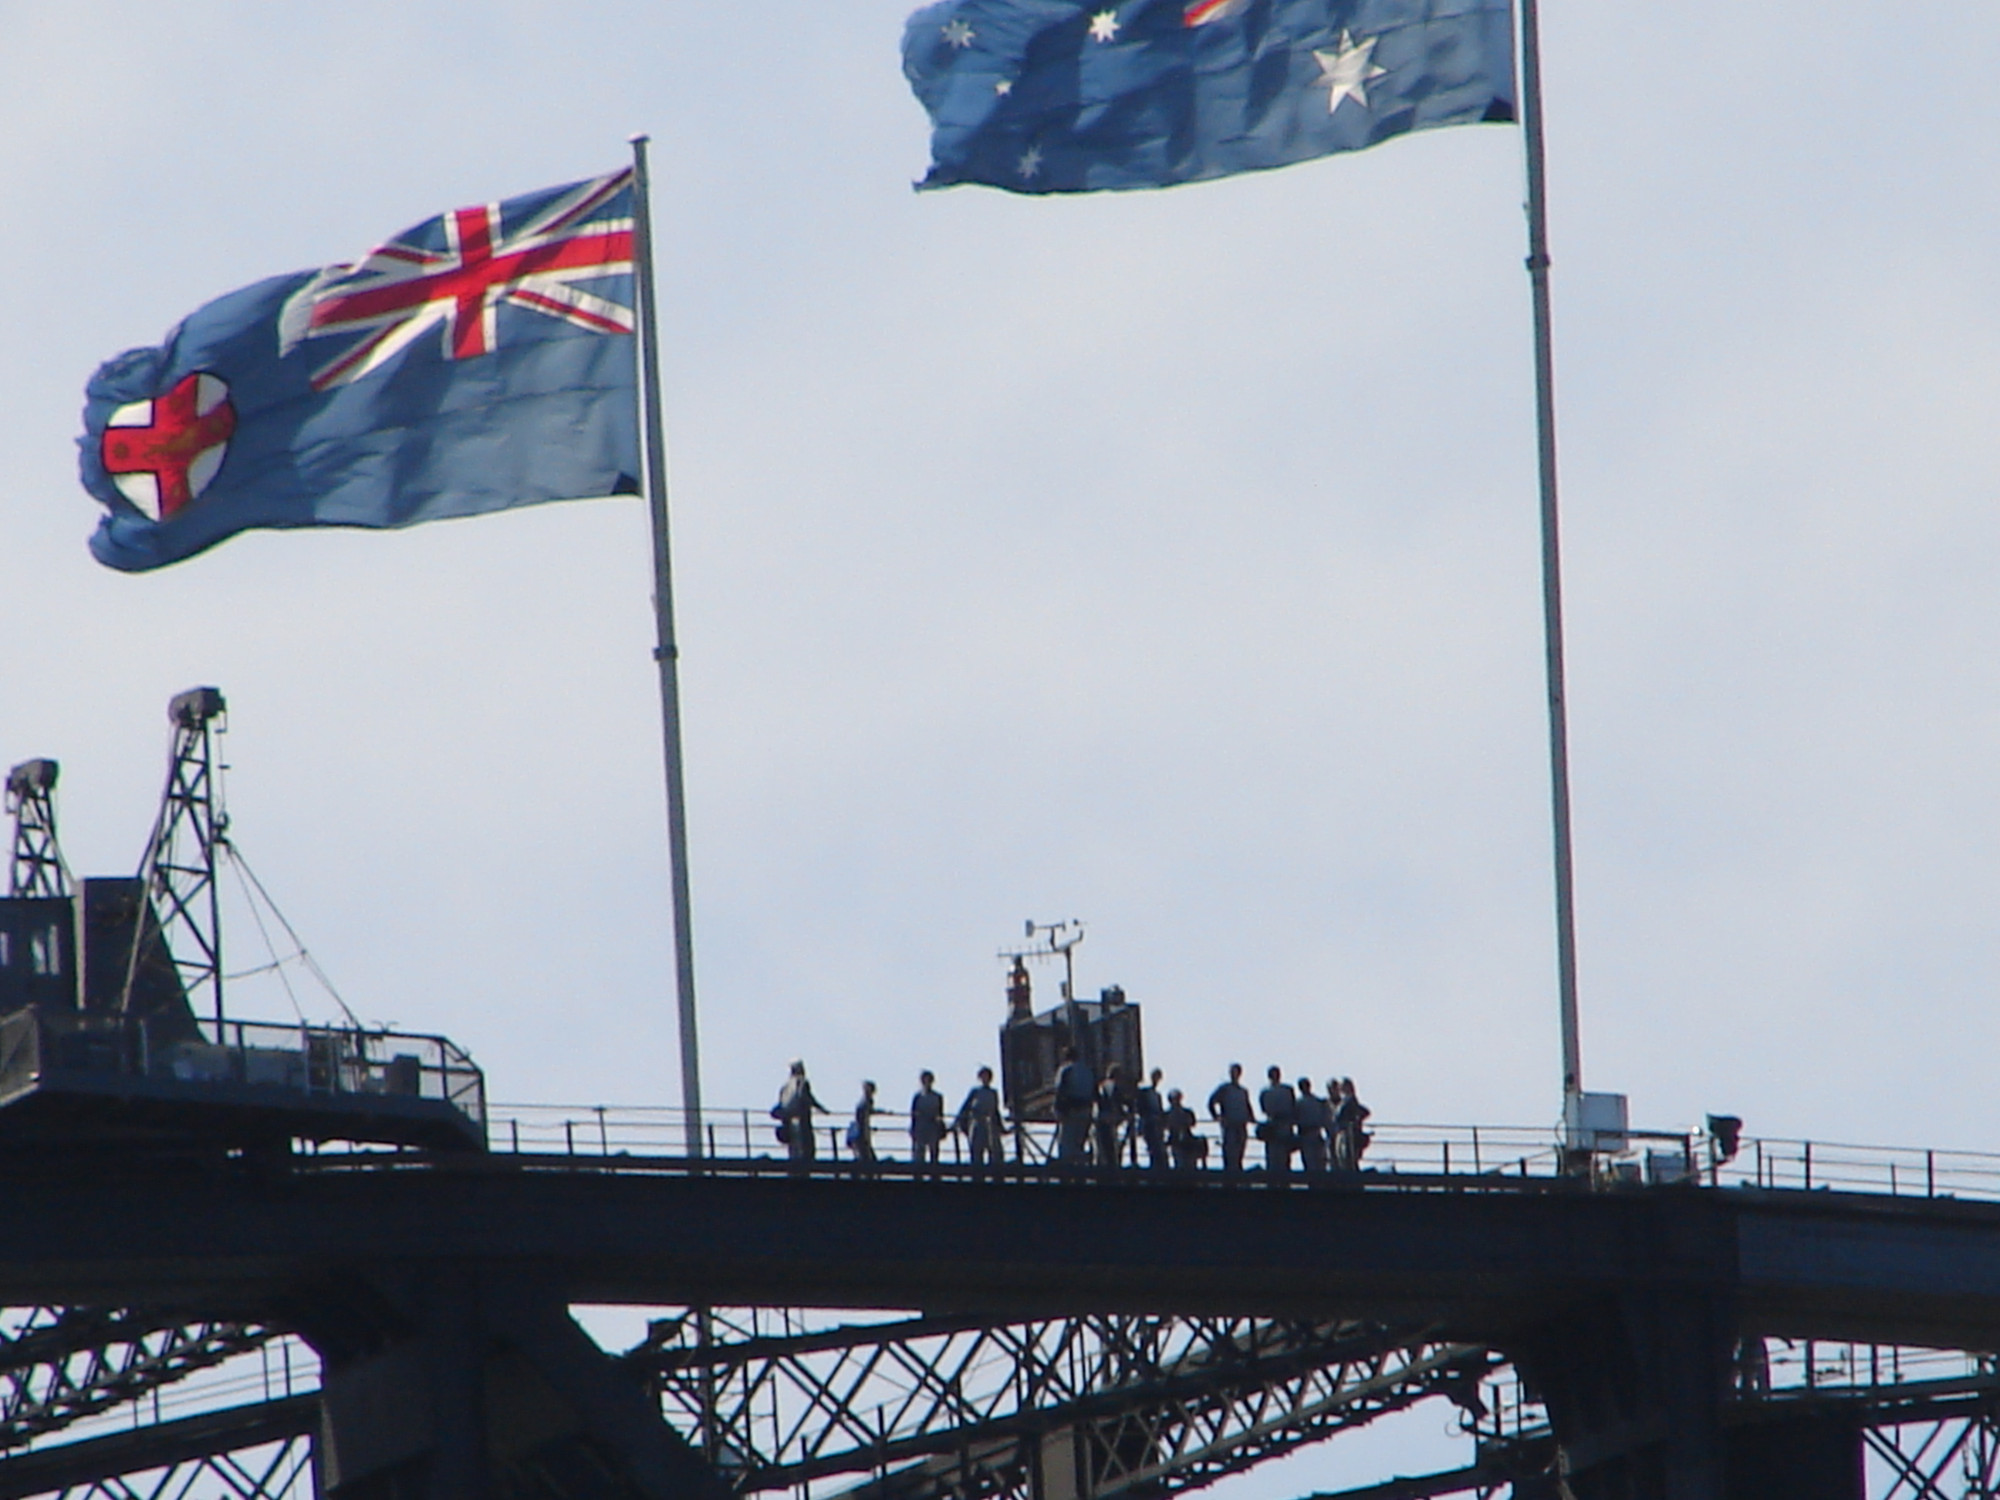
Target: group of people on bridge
[
  {"x": 1106, "y": 1123},
  {"x": 1099, "y": 1122}
]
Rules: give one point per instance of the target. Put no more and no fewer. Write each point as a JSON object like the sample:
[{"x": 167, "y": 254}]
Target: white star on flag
[
  {"x": 1031, "y": 161},
  {"x": 1003, "y": 86},
  {"x": 1347, "y": 72},
  {"x": 958, "y": 32},
  {"x": 1104, "y": 26}
]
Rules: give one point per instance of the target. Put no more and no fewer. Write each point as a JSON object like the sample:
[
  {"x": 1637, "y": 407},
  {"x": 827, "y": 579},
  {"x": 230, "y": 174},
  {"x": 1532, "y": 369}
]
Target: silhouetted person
[
  {"x": 979, "y": 1122},
  {"x": 1350, "y": 1141},
  {"x": 1109, "y": 1121},
  {"x": 1315, "y": 1119},
  {"x": 795, "y": 1115},
  {"x": 1150, "y": 1110},
  {"x": 926, "y": 1121},
  {"x": 861, "y": 1129},
  {"x": 1076, "y": 1097},
  {"x": 1187, "y": 1148},
  {"x": 1230, "y": 1104},
  {"x": 1281, "y": 1122}
]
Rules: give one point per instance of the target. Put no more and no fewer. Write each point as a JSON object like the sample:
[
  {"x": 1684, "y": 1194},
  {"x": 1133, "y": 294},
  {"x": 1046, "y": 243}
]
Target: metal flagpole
[
  {"x": 1545, "y": 434},
  {"x": 665, "y": 652}
]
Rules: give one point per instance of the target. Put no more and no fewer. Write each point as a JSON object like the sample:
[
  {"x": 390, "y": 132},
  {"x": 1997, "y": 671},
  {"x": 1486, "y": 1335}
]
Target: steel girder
[
  {"x": 1097, "y": 1406},
  {"x": 1927, "y": 1436},
  {"x": 1135, "y": 1407},
  {"x": 59, "y": 1365},
  {"x": 1480, "y": 1481},
  {"x": 927, "y": 1408},
  {"x": 1939, "y": 1440},
  {"x": 263, "y": 1450},
  {"x": 62, "y": 1366},
  {"x": 1947, "y": 1459},
  {"x": 274, "y": 1471}
]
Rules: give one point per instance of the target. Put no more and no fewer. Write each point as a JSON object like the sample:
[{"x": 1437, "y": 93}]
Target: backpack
[{"x": 1073, "y": 1086}]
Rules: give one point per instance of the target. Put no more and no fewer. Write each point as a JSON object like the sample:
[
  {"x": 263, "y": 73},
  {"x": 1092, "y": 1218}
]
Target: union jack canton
[
  {"x": 321, "y": 398},
  {"x": 455, "y": 272}
]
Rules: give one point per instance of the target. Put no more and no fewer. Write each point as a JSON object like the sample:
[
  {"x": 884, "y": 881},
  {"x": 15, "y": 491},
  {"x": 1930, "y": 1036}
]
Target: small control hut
[{"x": 1103, "y": 1031}]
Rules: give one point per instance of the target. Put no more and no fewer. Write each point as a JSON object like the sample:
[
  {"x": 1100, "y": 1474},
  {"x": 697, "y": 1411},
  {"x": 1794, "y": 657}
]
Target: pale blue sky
[{"x": 1165, "y": 560}]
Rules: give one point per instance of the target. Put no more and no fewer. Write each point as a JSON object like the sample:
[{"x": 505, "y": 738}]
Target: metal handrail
[
  {"x": 1422, "y": 1150},
  {"x": 300, "y": 1057}
]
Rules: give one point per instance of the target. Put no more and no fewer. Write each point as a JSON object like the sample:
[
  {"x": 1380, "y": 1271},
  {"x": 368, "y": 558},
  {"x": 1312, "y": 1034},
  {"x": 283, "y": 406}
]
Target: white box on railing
[{"x": 1595, "y": 1122}]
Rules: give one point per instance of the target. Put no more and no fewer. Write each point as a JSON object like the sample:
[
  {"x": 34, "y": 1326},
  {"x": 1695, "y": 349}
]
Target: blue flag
[
  {"x": 1070, "y": 96},
  {"x": 481, "y": 360}
]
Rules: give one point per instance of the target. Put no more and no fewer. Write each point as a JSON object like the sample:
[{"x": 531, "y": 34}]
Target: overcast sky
[{"x": 1165, "y": 560}]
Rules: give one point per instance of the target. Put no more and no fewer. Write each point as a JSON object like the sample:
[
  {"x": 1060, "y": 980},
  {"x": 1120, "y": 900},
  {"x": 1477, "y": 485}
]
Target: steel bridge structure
[
  {"x": 396, "y": 1323},
  {"x": 255, "y": 1261}
]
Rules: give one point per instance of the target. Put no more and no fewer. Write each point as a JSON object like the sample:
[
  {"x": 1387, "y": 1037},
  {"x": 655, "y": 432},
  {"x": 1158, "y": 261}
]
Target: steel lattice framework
[
  {"x": 61, "y": 1365},
  {"x": 1954, "y": 1457},
  {"x": 179, "y": 869},
  {"x": 35, "y": 864},
  {"x": 915, "y": 1408},
  {"x": 1097, "y": 1405},
  {"x": 273, "y": 1471}
]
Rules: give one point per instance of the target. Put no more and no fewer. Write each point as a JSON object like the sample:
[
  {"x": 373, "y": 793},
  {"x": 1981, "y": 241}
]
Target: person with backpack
[
  {"x": 1279, "y": 1131},
  {"x": 1076, "y": 1098},
  {"x": 794, "y": 1114},
  {"x": 1350, "y": 1141}
]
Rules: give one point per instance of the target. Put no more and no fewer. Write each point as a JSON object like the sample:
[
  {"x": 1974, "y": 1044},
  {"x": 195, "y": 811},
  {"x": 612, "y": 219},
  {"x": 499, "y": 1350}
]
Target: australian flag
[
  {"x": 483, "y": 359},
  {"x": 1072, "y": 96}
]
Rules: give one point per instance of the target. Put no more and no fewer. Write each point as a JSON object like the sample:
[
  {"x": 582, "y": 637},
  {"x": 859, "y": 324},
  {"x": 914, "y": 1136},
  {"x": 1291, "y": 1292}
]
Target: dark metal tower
[
  {"x": 36, "y": 866},
  {"x": 180, "y": 864}
]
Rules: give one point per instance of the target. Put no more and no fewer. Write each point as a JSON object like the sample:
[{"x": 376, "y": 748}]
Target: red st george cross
[
  {"x": 162, "y": 453},
  {"x": 402, "y": 290}
]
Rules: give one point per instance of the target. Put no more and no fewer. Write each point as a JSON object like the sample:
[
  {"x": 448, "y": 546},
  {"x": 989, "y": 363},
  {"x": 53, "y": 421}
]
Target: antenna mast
[{"x": 1058, "y": 940}]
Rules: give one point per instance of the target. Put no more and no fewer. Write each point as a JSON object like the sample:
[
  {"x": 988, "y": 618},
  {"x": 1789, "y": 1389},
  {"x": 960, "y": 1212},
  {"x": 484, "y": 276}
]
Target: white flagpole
[
  {"x": 1552, "y": 623},
  {"x": 665, "y": 652}
]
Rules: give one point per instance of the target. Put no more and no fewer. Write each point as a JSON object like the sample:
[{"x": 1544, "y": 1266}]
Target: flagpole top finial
[{"x": 640, "y": 139}]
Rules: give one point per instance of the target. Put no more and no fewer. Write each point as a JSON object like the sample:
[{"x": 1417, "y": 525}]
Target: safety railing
[
  {"x": 752, "y": 1135},
  {"x": 307, "y": 1059},
  {"x": 266, "y": 1059},
  {"x": 1420, "y": 1153},
  {"x": 1899, "y": 1171},
  {"x": 1777, "y": 1369}
]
